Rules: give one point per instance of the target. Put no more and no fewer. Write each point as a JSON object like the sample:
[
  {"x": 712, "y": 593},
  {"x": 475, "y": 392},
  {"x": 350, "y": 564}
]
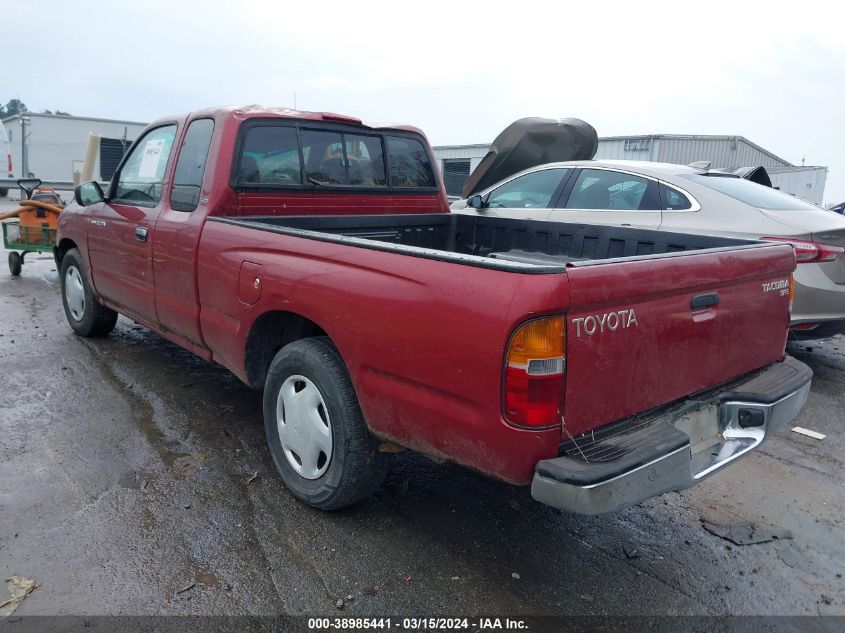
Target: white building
[
  {"x": 54, "y": 145},
  {"x": 724, "y": 152}
]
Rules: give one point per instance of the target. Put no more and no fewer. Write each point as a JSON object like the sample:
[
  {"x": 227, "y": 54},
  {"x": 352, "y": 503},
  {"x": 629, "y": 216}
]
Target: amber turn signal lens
[{"x": 540, "y": 339}]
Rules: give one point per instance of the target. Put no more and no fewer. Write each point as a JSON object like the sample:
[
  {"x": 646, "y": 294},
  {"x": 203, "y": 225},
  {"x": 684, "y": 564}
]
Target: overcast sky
[{"x": 462, "y": 72}]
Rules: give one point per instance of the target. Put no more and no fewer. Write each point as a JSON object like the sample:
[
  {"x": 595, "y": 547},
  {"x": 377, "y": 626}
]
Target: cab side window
[
  {"x": 673, "y": 200},
  {"x": 190, "y": 166},
  {"x": 603, "y": 189},
  {"x": 141, "y": 177},
  {"x": 531, "y": 191}
]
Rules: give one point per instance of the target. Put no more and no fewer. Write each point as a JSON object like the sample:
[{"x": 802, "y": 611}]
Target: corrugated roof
[{"x": 75, "y": 118}]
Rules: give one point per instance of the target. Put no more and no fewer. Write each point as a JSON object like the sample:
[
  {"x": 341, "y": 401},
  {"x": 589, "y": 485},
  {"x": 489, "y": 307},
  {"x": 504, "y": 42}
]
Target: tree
[{"x": 13, "y": 107}]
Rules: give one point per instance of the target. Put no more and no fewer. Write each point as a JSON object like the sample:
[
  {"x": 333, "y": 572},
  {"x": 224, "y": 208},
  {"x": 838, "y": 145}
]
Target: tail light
[
  {"x": 807, "y": 252},
  {"x": 9, "y": 157},
  {"x": 534, "y": 371}
]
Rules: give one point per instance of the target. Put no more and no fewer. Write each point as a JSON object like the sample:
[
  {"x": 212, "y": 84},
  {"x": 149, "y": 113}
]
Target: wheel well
[
  {"x": 270, "y": 332},
  {"x": 63, "y": 247}
]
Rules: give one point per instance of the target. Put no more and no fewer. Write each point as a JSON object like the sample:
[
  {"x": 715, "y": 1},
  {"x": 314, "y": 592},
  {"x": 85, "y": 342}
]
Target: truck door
[
  {"x": 122, "y": 230},
  {"x": 177, "y": 233}
]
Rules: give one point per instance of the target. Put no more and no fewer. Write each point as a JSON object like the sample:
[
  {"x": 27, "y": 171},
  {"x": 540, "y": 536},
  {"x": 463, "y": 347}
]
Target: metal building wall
[
  {"x": 721, "y": 151},
  {"x": 633, "y": 148},
  {"x": 724, "y": 152},
  {"x": 473, "y": 153}
]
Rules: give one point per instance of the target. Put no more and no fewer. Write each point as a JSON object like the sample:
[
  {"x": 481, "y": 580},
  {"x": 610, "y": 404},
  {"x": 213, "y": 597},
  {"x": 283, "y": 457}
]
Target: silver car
[{"x": 686, "y": 199}]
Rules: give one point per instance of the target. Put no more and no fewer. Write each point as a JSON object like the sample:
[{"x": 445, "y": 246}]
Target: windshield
[{"x": 751, "y": 193}]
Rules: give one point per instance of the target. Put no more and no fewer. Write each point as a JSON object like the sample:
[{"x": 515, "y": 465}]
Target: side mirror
[
  {"x": 475, "y": 202},
  {"x": 88, "y": 193}
]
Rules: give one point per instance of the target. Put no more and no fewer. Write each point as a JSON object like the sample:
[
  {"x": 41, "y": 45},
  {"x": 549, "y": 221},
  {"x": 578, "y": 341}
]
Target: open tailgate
[{"x": 642, "y": 333}]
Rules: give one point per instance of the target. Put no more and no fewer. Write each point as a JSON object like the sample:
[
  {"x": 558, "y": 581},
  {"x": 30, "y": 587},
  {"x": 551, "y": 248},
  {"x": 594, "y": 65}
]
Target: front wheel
[
  {"x": 15, "y": 263},
  {"x": 318, "y": 438},
  {"x": 86, "y": 316}
]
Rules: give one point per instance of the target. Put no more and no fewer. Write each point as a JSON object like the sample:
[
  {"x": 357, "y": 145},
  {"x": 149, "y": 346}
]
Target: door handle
[
  {"x": 700, "y": 302},
  {"x": 140, "y": 234}
]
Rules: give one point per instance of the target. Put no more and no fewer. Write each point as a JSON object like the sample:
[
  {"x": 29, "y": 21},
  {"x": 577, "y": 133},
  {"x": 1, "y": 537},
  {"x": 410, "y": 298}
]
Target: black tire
[
  {"x": 4, "y": 192},
  {"x": 15, "y": 263},
  {"x": 94, "y": 319},
  {"x": 356, "y": 468}
]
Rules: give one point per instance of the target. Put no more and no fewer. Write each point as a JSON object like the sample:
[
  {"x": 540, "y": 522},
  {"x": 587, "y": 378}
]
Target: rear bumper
[{"x": 626, "y": 463}]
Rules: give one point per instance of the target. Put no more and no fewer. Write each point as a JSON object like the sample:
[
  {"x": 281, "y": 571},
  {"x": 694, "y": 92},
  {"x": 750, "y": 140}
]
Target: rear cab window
[{"x": 281, "y": 154}]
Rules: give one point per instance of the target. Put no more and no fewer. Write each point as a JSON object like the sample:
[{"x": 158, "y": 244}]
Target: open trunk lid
[{"x": 642, "y": 333}]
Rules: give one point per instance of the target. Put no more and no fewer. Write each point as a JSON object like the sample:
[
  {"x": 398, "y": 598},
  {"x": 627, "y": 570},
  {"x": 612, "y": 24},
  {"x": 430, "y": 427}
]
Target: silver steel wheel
[
  {"x": 74, "y": 293},
  {"x": 305, "y": 430}
]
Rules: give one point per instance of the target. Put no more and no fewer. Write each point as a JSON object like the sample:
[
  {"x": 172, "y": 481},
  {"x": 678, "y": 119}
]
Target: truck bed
[
  {"x": 421, "y": 309},
  {"x": 499, "y": 243}
]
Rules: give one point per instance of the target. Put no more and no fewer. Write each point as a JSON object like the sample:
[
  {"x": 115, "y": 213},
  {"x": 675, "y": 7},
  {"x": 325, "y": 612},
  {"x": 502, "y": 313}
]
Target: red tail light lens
[
  {"x": 534, "y": 372},
  {"x": 9, "y": 156},
  {"x": 807, "y": 252}
]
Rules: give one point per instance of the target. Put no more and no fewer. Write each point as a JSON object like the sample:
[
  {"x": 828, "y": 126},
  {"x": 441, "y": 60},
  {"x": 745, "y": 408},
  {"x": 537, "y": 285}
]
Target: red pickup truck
[{"x": 315, "y": 257}]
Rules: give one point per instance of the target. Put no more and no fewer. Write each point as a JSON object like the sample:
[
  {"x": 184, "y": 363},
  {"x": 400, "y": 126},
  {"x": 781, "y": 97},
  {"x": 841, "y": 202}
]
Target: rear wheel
[
  {"x": 85, "y": 314},
  {"x": 15, "y": 263},
  {"x": 319, "y": 441}
]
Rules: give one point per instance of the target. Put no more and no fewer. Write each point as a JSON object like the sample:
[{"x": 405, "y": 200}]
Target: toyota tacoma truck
[{"x": 315, "y": 257}]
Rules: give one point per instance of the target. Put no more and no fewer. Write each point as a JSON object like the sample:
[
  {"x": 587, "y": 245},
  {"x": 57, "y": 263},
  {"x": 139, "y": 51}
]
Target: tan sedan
[{"x": 686, "y": 199}]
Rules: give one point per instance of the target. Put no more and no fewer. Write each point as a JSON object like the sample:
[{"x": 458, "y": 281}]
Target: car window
[
  {"x": 270, "y": 156},
  {"x": 752, "y": 193},
  {"x": 190, "y": 166},
  {"x": 141, "y": 176},
  {"x": 409, "y": 163},
  {"x": 604, "y": 189},
  {"x": 673, "y": 200},
  {"x": 530, "y": 191}
]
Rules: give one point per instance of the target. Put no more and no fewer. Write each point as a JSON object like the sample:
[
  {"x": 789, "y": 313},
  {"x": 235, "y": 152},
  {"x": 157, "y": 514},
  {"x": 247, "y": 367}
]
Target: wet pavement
[{"x": 134, "y": 479}]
